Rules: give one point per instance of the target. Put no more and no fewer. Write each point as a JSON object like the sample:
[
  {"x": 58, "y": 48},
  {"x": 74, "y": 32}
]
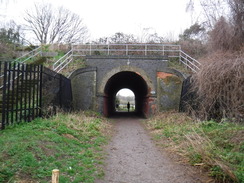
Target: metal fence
[
  {"x": 30, "y": 91},
  {"x": 168, "y": 50},
  {"x": 21, "y": 93}
]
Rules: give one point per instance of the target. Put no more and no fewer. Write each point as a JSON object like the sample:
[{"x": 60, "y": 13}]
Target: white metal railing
[
  {"x": 63, "y": 61},
  {"x": 29, "y": 55},
  {"x": 127, "y": 49},
  {"x": 189, "y": 62},
  {"x": 22, "y": 59},
  {"x": 169, "y": 50}
]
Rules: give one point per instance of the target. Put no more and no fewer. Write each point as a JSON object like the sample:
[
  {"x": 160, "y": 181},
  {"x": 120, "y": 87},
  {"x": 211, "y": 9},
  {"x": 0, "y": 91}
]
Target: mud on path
[{"x": 132, "y": 157}]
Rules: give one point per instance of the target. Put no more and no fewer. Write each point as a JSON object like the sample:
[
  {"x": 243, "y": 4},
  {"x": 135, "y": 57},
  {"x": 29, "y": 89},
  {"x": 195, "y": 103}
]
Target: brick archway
[{"x": 132, "y": 81}]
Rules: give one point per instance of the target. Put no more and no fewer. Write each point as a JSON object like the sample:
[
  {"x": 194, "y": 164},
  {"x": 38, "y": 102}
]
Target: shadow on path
[{"x": 133, "y": 115}]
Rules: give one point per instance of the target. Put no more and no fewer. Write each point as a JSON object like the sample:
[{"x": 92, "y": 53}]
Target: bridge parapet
[{"x": 168, "y": 50}]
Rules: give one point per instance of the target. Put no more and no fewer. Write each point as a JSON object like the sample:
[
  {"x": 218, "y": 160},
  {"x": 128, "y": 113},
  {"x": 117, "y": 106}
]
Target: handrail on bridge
[
  {"x": 29, "y": 55},
  {"x": 63, "y": 61},
  {"x": 169, "y": 50},
  {"x": 125, "y": 49}
]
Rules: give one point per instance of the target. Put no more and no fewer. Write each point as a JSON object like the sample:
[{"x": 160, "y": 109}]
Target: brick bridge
[
  {"x": 141, "y": 68},
  {"x": 28, "y": 91}
]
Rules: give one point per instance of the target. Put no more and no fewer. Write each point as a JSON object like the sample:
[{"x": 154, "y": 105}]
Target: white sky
[
  {"x": 104, "y": 18},
  {"x": 125, "y": 92}
]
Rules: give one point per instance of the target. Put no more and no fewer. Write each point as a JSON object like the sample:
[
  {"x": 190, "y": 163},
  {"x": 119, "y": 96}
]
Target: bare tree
[
  {"x": 154, "y": 38},
  {"x": 221, "y": 37},
  {"x": 224, "y": 22},
  {"x": 120, "y": 37},
  {"x": 51, "y": 25},
  {"x": 237, "y": 19},
  {"x": 149, "y": 35},
  {"x": 212, "y": 10},
  {"x": 117, "y": 38}
]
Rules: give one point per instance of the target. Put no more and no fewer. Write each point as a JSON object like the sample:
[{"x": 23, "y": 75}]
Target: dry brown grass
[
  {"x": 204, "y": 147},
  {"x": 182, "y": 135},
  {"x": 220, "y": 86}
]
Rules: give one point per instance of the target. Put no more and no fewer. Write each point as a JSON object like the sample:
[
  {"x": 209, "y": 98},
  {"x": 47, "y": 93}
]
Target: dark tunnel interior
[{"x": 132, "y": 81}]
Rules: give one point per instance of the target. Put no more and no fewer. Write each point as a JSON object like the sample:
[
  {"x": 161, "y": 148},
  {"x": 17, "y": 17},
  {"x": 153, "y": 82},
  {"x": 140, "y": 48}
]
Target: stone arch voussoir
[{"x": 116, "y": 70}]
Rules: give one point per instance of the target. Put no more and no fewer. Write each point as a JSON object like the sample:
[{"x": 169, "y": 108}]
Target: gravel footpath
[{"x": 134, "y": 158}]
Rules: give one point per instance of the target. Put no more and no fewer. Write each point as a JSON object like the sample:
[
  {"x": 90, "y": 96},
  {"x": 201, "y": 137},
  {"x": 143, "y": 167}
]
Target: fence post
[
  {"x": 17, "y": 93},
  {"x": 25, "y": 91},
  {"x": 29, "y": 81},
  {"x": 55, "y": 176},
  {"x": 34, "y": 92},
  {"x": 40, "y": 92},
  {"x": 60, "y": 90},
  {"x": 8, "y": 88},
  {"x": 21, "y": 90},
  {"x": 4, "y": 95},
  {"x": 13, "y": 98}
]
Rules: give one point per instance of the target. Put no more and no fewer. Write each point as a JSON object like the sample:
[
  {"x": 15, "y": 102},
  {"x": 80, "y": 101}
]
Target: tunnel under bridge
[{"x": 156, "y": 86}]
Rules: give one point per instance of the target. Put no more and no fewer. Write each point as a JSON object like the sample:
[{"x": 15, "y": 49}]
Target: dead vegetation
[
  {"x": 219, "y": 87},
  {"x": 215, "y": 148}
]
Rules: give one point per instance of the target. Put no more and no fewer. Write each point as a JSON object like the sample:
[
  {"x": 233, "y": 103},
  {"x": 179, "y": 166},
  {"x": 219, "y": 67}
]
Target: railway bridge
[
  {"x": 28, "y": 91},
  {"x": 141, "y": 68}
]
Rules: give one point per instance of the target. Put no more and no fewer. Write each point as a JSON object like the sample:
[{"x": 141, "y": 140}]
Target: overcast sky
[{"x": 103, "y": 18}]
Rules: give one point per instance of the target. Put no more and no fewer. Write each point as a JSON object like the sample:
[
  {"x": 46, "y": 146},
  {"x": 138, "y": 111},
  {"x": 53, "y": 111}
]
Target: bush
[{"x": 219, "y": 86}]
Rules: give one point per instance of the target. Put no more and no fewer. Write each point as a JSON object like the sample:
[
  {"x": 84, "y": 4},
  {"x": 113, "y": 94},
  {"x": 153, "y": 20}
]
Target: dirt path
[{"x": 133, "y": 158}]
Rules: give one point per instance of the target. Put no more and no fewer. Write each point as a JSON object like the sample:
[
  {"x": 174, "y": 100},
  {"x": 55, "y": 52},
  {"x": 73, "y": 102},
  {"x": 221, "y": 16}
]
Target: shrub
[{"x": 219, "y": 86}]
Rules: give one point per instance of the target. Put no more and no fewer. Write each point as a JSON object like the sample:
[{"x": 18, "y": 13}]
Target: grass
[
  {"x": 77, "y": 63},
  {"x": 71, "y": 67},
  {"x": 216, "y": 147},
  {"x": 175, "y": 64},
  {"x": 68, "y": 142}
]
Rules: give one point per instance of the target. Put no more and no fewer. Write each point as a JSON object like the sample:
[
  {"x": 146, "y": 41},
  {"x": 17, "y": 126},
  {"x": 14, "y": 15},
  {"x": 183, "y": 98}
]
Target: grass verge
[
  {"x": 68, "y": 142},
  {"x": 216, "y": 147}
]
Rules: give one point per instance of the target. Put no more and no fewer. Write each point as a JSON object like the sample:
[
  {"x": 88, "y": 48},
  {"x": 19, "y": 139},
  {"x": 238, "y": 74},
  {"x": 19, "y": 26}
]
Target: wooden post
[{"x": 55, "y": 176}]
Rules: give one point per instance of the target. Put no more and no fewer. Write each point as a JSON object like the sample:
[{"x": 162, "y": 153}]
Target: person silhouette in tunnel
[{"x": 128, "y": 106}]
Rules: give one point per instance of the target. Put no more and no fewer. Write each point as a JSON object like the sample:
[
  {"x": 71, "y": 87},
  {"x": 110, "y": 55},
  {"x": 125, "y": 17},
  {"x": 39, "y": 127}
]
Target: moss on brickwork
[{"x": 169, "y": 91}]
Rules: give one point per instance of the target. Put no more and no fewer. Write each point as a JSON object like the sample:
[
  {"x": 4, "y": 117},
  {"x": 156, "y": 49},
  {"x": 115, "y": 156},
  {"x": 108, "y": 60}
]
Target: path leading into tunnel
[{"x": 133, "y": 158}]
